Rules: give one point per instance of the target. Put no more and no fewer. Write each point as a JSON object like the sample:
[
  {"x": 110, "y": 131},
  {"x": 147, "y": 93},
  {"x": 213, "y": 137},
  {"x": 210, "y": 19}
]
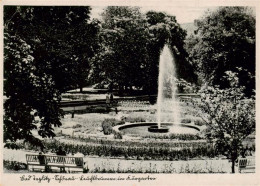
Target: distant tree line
[
  {"x": 130, "y": 46},
  {"x": 224, "y": 40}
]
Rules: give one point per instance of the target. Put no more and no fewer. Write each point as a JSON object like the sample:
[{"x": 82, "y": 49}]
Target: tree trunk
[
  {"x": 234, "y": 156},
  {"x": 111, "y": 87},
  {"x": 120, "y": 91},
  {"x": 233, "y": 165},
  {"x": 81, "y": 89}
]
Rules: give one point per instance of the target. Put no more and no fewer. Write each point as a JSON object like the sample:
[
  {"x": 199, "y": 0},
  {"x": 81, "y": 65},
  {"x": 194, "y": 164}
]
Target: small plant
[
  {"x": 199, "y": 122},
  {"x": 186, "y": 121},
  {"x": 77, "y": 126},
  {"x": 118, "y": 135},
  {"x": 14, "y": 165}
]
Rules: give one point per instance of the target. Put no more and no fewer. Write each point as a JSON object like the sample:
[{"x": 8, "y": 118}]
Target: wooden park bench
[
  {"x": 72, "y": 164},
  {"x": 246, "y": 164}
]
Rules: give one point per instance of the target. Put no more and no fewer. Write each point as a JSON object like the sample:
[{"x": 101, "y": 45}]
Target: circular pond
[{"x": 142, "y": 128}]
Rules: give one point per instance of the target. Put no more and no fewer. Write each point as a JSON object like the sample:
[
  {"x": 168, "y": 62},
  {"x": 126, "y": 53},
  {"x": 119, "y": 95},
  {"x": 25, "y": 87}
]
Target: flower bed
[{"x": 135, "y": 150}]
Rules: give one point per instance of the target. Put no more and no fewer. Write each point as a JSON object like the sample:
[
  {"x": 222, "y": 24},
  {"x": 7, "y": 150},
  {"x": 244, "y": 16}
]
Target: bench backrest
[
  {"x": 32, "y": 158},
  {"x": 244, "y": 162},
  {"x": 56, "y": 159}
]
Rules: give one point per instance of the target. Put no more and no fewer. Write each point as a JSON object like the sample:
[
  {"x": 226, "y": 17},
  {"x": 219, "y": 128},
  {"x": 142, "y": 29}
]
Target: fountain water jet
[{"x": 166, "y": 99}]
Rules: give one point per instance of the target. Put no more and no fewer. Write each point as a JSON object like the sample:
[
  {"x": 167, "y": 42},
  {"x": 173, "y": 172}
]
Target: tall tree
[
  {"x": 225, "y": 40},
  {"x": 123, "y": 54},
  {"x": 32, "y": 98},
  {"x": 62, "y": 38},
  {"x": 46, "y": 52},
  {"x": 164, "y": 29},
  {"x": 230, "y": 116}
]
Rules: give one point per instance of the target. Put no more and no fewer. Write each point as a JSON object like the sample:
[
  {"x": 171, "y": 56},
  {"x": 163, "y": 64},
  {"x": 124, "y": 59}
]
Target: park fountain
[
  {"x": 167, "y": 105},
  {"x": 166, "y": 99}
]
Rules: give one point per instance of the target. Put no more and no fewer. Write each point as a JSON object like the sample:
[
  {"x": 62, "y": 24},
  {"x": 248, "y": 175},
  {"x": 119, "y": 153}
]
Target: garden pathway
[{"x": 121, "y": 165}]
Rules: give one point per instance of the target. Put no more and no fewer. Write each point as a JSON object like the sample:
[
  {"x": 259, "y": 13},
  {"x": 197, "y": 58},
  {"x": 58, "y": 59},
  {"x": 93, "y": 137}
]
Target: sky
[{"x": 184, "y": 14}]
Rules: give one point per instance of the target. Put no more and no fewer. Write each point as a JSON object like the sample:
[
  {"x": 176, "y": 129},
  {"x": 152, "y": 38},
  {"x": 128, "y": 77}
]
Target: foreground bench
[
  {"x": 246, "y": 164},
  {"x": 48, "y": 162}
]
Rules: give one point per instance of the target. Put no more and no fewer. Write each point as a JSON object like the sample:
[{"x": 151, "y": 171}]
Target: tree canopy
[
  {"x": 29, "y": 93},
  {"x": 229, "y": 114},
  {"x": 224, "y": 41},
  {"x": 164, "y": 29},
  {"x": 131, "y": 43},
  {"x": 62, "y": 38},
  {"x": 122, "y": 56},
  {"x": 44, "y": 55}
]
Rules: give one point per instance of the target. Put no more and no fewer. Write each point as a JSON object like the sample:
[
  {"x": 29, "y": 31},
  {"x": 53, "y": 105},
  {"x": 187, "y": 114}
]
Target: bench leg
[
  {"x": 62, "y": 170},
  {"x": 47, "y": 168}
]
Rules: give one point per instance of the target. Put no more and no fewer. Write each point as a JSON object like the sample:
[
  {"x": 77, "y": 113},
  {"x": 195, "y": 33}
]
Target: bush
[
  {"x": 108, "y": 124},
  {"x": 134, "y": 119},
  {"x": 14, "y": 165},
  {"x": 186, "y": 121},
  {"x": 118, "y": 135},
  {"x": 199, "y": 122},
  {"x": 77, "y": 126}
]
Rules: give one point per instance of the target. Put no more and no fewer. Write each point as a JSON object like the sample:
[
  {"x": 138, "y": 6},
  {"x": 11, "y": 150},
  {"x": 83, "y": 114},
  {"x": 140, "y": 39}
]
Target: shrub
[
  {"x": 77, "y": 126},
  {"x": 118, "y": 135},
  {"x": 108, "y": 124},
  {"x": 199, "y": 122},
  {"x": 14, "y": 165},
  {"x": 134, "y": 119},
  {"x": 186, "y": 121}
]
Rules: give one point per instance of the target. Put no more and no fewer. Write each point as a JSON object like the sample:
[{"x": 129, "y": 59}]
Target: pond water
[{"x": 174, "y": 129}]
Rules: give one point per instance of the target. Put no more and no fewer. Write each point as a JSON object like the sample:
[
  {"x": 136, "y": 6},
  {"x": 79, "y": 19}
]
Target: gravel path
[{"x": 122, "y": 165}]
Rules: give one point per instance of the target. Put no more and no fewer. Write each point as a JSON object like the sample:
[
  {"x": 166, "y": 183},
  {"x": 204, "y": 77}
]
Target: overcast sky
[{"x": 183, "y": 14}]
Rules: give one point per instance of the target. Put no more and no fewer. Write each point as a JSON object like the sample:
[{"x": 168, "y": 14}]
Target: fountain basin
[
  {"x": 156, "y": 129},
  {"x": 142, "y": 128}
]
